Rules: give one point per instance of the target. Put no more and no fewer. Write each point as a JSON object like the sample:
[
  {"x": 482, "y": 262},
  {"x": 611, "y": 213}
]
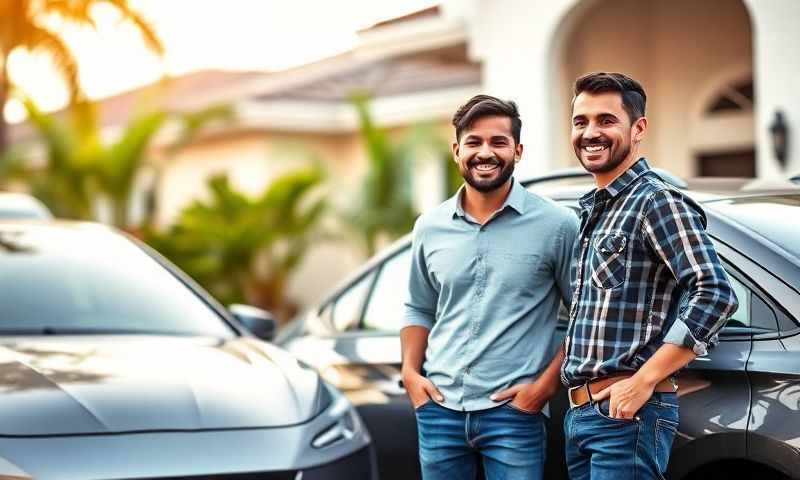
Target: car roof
[
  {"x": 567, "y": 186},
  {"x": 22, "y": 206},
  {"x": 10, "y": 225}
]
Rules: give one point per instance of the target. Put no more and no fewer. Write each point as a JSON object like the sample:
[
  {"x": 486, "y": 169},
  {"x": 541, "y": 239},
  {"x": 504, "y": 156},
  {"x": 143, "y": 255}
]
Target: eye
[
  {"x": 578, "y": 123},
  {"x": 608, "y": 121}
]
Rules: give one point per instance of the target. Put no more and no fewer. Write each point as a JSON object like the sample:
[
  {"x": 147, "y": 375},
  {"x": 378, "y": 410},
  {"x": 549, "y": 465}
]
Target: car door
[
  {"x": 773, "y": 367},
  {"x": 353, "y": 341},
  {"x": 387, "y": 411},
  {"x": 719, "y": 392}
]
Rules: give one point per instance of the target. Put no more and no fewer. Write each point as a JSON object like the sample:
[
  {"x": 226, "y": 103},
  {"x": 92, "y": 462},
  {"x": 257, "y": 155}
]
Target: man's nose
[
  {"x": 485, "y": 151},
  {"x": 591, "y": 131}
]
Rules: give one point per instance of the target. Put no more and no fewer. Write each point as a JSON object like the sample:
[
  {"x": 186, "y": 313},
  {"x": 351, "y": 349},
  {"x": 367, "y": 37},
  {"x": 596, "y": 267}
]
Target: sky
[{"x": 199, "y": 34}]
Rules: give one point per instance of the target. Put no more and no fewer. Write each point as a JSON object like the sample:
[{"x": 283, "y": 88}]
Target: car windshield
[
  {"x": 81, "y": 279},
  {"x": 776, "y": 217}
]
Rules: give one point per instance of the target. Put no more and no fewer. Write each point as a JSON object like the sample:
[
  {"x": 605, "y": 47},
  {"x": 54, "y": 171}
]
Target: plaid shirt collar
[{"x": 617, "y": 186}]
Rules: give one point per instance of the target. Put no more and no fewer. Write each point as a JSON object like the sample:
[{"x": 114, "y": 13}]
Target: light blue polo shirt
[{"x": 489, "y": 294}]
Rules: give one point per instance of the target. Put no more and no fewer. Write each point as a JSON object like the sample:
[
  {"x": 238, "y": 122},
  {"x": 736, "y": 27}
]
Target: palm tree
[
  {"x": 80, "y": 167},
  {"x": 245, "y": 249},
  {"x": 64, "y": 182},
  {"x": 385, "y": 204},
  {"x": 22, "y": 26}
]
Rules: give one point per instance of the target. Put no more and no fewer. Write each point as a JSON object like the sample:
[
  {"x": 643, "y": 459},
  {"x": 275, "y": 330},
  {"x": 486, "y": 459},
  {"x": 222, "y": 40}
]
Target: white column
[{"x": 776, "y": 51}]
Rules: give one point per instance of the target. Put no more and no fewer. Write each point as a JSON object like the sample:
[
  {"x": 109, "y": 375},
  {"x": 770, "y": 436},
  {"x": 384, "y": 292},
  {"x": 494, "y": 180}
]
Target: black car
[
  {"x": 740, "y": 405},
  {"x": 113, "y": 364}
]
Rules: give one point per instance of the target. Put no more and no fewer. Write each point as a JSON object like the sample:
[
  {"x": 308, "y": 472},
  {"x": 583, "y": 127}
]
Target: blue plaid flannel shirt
[{"x": 646, "y": 274}]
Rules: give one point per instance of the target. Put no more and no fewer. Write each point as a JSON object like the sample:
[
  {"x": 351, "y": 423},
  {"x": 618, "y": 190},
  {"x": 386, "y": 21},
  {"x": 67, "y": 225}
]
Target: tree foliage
[
  {"x": 80, "y": 167},
  {"x": 243, "y": 248},
  {"x": 23, "y": 25}
]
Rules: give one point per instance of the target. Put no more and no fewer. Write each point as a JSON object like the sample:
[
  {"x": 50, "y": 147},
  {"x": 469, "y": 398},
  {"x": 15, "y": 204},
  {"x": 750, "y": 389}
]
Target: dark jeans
[
  {"x": 509, "y": 442},
  {"x": 601, "y": 448}
]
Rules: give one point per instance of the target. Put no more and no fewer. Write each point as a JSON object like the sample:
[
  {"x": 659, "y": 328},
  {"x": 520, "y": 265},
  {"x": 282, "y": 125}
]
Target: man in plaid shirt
[{"x": 649, "y": 292}]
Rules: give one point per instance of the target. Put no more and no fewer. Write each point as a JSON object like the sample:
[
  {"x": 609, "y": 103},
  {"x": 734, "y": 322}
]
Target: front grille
[
  {"x": 357, "y": 466},
  {"x": 285, "y": 475}
]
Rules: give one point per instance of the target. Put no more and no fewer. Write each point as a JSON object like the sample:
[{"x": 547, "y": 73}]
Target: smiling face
[
  {"x": 486, "y": 153},
  {"x": 603, "y": 136}
]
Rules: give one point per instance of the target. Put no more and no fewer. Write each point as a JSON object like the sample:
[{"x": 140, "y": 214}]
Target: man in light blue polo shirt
[{"x": 490, "y": 267}]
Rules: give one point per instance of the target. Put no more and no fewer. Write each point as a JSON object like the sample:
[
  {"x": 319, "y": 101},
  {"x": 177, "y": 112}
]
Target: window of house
[{"x": 737, "y": 97}]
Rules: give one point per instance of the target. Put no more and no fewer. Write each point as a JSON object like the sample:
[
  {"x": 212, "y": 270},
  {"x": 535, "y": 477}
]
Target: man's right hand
[{"x": 420, "y": 389}]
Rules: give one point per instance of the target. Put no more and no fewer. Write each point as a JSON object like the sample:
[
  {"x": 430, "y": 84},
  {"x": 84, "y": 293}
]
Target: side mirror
[{"x": 259, "y": 322}]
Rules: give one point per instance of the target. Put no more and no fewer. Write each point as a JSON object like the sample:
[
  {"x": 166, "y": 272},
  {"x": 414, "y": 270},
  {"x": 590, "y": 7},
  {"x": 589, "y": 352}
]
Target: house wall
[
  {"x": 683, "y": 52},
  {"x": 532, "y": 50}
]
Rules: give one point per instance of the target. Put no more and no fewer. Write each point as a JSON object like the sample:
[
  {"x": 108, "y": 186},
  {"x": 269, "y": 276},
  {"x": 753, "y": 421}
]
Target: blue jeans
[
  {"x": 509, "y": 442},
  {"x": 602, "y": 448}
]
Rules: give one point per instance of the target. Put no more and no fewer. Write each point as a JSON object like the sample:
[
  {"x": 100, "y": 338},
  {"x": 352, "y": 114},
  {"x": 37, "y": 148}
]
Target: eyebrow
[
  {"x": 583, "y": 116},
  {"x": 492, "y": 138}
]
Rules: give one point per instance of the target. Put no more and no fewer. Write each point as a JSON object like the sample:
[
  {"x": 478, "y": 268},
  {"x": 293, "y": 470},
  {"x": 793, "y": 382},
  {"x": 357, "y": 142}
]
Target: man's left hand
[
  {"x": 529, "y": 397},
  {"x": 626, "y": 397}
]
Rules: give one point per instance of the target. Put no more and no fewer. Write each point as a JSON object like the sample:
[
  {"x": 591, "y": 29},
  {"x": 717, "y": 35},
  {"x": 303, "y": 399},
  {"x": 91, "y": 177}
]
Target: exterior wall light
[{"x": 780, "y": 138}]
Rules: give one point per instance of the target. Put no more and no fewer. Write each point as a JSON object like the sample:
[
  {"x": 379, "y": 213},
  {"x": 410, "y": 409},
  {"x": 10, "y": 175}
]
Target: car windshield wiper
[{"x": 49, "y": 330}]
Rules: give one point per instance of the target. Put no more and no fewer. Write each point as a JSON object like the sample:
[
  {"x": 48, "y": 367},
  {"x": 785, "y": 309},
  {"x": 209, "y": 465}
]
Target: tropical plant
[
  {"x": 384, "y": 205},
  {"x": 80, "y": 168},
  {"x": 245, "y": 249},
  {"x": 23, "y": 25},
  {"x": 63, "y": 180}
]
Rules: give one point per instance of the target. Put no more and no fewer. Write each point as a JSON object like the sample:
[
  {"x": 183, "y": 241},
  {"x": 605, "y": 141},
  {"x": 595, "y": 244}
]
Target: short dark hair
[
  {"x": 487, "y": 106},
  {"x": 631, "y": 91}
]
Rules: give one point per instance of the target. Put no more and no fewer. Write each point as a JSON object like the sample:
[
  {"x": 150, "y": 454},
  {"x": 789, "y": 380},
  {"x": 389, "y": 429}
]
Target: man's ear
[
  {"x": 518, "y": 153},
  {"x": 639, "y": 129},
  {"x": 455, "y": 151}
]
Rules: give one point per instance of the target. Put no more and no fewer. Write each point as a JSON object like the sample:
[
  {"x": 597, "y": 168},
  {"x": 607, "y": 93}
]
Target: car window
[
  {"x": 742, "y": 316},
  {"x": 753, "y": 312},
  {"x": 385, "y": 309},
  {"x": 89, "y": 280},
  {"x": 346, "y": 312}
]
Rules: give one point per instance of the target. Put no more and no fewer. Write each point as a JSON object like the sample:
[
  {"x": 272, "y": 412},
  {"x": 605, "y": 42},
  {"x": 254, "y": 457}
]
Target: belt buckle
[{"x": 569, "y": 395}]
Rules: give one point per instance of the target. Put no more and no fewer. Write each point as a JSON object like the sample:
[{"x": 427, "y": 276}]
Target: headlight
[
  {"x": 324, "y": 397},
  {"x": 346, "y": 422},
  {"x": 343, "y": 429}
]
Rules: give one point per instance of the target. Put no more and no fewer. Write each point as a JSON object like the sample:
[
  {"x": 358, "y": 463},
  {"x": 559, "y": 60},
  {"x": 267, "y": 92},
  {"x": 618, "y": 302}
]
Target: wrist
[
  {"x": 547, "y": 387},
  {"x": 646, "y": 378}
]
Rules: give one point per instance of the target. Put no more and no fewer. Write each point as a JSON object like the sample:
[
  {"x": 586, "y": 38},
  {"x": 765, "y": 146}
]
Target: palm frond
[
  {"x": 149, "y": 35},
  {"x": 40, "y": 38}
]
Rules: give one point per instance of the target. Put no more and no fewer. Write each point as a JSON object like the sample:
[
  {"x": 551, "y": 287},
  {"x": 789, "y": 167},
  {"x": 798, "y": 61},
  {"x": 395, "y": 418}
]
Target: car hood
[{"x": 112, "y": 384}]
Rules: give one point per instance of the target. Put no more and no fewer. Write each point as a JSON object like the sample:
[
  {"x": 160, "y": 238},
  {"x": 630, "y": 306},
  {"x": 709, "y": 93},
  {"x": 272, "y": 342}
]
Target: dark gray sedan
[
  {"x": 740, "y": 405},
  {"x": 114, "y": 365}
]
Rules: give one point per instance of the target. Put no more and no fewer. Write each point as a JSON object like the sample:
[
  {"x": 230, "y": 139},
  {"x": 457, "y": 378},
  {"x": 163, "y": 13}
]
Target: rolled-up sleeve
[
  {"x": 421, "y": 300},
  {"x": 674, "y": 227}
]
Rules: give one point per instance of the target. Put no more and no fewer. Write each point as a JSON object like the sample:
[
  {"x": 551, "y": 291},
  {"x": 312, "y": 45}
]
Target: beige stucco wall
[{"x": 682, "y": 51}]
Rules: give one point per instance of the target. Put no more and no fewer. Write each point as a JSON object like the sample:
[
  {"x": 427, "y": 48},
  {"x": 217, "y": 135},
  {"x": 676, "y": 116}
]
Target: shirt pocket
[
  {"x": 517, "y": 271},
  {"x": 609, "y": 260}
]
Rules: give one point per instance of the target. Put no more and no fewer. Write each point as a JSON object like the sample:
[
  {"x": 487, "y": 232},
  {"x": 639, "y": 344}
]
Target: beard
[
  {"x": 616, "y": 157},
  {"x": 485, "y": 185}
]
